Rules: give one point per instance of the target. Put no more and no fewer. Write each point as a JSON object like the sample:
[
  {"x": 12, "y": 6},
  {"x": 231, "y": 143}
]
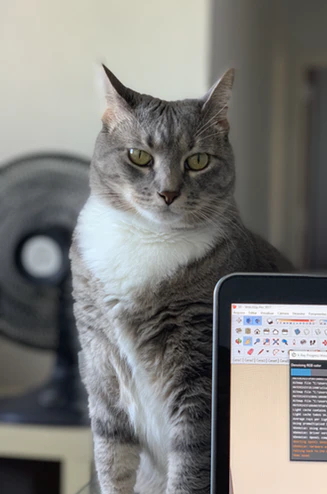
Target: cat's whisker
[
  {"x": 213, "y": 124},
  {"x": 215, "y": 134},
  {"x": 213, "y": 116},
  {"x": 201, "y": 215},
  {"x": 120, "y": 207},
  {"x": 209, "y": 123},
  {"x": 211, "y": 214}
]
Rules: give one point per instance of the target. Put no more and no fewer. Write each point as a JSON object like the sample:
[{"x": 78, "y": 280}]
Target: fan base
[{"x": 58, "y": 403}]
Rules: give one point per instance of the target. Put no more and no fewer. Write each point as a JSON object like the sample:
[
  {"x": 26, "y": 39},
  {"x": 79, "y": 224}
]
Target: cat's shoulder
[{"x": 268, "y": 258}]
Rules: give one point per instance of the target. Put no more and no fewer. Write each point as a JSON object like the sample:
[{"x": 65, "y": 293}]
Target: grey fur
[{"x": 168, "y": 325}]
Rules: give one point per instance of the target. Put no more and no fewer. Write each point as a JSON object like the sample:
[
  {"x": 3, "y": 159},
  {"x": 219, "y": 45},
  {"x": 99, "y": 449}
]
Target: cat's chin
[{"x": 166, "y": 218}]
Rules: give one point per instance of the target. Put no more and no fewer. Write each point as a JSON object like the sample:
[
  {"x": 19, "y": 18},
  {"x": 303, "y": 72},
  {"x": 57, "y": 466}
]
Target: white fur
[
  {"x": 127, "y": 252},
  {"x": 147, "y": 413}
]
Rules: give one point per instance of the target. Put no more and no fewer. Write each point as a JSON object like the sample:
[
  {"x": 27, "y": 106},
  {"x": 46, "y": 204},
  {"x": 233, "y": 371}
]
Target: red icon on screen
[{"x": 234, "y": 306}]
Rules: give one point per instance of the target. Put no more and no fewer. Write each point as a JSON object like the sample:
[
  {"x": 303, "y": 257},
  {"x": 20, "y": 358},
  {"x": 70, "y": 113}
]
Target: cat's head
[{"x": 170, "y": 163}]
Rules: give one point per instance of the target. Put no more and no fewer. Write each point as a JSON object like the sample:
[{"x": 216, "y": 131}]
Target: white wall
[
  {"x": 47, "y": 97},
  {"x": 47, "y": 52}
]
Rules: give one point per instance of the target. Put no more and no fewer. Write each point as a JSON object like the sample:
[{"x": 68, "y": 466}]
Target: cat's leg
[
  {"x": 190, "y": 441},
  {"x": 149, "y": 479},
  {"x": 116, "y": 452},
  {"x": 116, "y": 447},
  {"x": 189, "y": 470}
]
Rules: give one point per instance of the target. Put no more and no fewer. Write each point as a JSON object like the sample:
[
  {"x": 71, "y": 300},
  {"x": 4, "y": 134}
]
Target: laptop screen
[{"x": 278, "y": 437}]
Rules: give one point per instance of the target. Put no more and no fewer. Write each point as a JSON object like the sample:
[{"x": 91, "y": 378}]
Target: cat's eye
[
  {"x": 139, "y": 157},
  {"x": 197, "y": 162}
]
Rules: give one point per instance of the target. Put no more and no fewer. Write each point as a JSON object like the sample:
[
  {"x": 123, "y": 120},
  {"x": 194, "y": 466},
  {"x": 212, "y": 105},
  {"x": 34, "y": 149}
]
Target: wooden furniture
[{"x": 71, "y": 446}]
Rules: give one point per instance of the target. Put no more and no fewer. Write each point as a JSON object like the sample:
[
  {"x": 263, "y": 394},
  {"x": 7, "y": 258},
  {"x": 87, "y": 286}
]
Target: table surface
[{"x": 71, "y": 446}]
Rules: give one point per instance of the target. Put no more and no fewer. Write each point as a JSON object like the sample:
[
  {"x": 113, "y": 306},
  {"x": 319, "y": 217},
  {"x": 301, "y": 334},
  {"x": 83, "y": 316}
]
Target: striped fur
[{"x": 144, "y": 275}]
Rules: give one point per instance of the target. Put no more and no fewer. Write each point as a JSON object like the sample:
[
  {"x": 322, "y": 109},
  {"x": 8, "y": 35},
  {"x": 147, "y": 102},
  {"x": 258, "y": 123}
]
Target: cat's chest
[{"x": 126, "y": 255}]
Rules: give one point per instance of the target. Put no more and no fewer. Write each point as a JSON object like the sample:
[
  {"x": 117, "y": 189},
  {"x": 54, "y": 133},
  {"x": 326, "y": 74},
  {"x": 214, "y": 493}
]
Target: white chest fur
[
  {"x": 124, "y": 252},
  {"x": 147, "y": 412}
]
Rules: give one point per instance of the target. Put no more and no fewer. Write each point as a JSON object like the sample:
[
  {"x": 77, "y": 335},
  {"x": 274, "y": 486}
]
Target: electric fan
[{"x": 40, "y": 199}]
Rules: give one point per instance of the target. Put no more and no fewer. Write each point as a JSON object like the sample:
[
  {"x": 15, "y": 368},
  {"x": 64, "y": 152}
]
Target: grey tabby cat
[{"x": 158, "y": 231}]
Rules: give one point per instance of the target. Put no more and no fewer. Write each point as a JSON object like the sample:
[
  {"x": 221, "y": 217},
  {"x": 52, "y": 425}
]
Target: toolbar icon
[
  {"x": 247, "y": 340},
  {"x": 252, "y": 320}
]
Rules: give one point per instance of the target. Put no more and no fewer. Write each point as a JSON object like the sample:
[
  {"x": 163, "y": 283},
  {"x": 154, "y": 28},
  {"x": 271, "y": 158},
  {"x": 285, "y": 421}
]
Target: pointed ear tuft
[
  {"x": 113, "y": 86},
  {"x": 120, "y": 100},
  {"x": 219, "y": 95}
]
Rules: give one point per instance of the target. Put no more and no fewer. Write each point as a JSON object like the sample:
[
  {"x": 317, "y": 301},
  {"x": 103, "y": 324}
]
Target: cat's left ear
[
  {"x": 120, "y": 100},
  {"x": 217, "y": 98},
  {"x": 115, "y": 91}
]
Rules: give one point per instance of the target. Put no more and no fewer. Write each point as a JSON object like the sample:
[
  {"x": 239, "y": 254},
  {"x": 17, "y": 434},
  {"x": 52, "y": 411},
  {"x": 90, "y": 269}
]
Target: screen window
[{"x": 278, "y": 399}]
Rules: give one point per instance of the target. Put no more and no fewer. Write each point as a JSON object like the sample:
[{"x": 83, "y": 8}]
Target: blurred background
[{"x": 176, "y": 49}]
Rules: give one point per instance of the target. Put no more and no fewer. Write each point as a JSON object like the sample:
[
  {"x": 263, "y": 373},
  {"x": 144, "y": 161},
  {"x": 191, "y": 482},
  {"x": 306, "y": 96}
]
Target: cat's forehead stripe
[
  {"x": 150, "y": 141},
  {"x": 165, "y": 127}
]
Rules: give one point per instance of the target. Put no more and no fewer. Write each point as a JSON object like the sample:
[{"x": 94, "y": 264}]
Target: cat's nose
[{"x": 169, "y": 195}]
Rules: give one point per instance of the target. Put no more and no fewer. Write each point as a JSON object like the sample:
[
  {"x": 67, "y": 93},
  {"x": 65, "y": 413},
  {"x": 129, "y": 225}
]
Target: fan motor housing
[{"x": 42, "y": 256}]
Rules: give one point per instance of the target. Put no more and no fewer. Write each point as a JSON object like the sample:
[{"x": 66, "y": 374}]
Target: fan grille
[{"x": 36, "y": 192}]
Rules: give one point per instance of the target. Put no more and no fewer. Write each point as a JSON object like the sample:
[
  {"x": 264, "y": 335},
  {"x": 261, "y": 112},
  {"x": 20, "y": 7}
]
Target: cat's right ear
[
  {"x": 219, "y": 95},
  {"x": 118, "y": 98}
]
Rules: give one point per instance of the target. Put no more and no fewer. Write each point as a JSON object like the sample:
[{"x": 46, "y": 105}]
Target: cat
[{"x": 158, "y": 231}]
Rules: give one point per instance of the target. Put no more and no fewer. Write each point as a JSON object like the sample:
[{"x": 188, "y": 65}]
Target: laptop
[{"x": 269, "y": 408}]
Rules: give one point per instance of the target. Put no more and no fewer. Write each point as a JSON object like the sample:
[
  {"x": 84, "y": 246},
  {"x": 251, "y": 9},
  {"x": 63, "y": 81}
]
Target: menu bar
[
  {"x": 266, "y": 334},
  {"x": 319, "y": 311}
]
